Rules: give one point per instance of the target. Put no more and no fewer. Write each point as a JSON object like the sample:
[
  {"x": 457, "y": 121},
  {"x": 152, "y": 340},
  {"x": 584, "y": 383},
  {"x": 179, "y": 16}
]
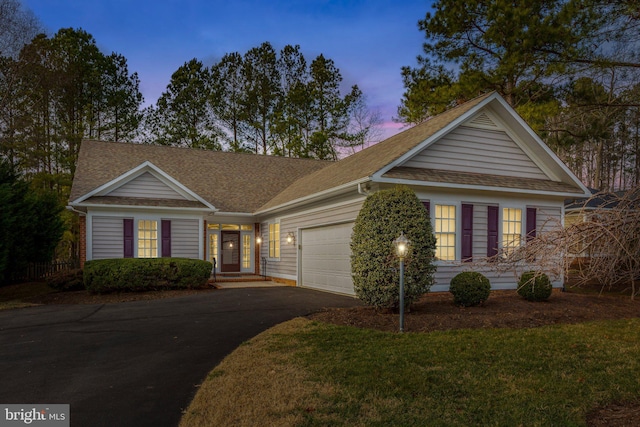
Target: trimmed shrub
[
  {"x": 145, "y": 274},
  {"x": 534, "y": 286},
  {"x": 66, "y": 280},
  {"x": 374, "y": 265},
  {"x": 469, "y": 289}
]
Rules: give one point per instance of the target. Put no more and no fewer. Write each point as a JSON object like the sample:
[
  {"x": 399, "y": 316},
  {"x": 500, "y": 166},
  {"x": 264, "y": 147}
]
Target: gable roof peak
[
  {"x": 367, "y": 162},
  {"x": 225, "y": 180},
  {"x": 374, "y": 161}
]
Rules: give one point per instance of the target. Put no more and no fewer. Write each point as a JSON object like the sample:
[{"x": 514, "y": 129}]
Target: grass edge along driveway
[{"x": 307, "y": 373}]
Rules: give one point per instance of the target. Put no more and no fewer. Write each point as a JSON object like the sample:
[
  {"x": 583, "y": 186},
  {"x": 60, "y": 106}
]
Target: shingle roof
[
  {"x": 251, "y": 183},
  {"x": 134, "y": 201},
  {"x": 231, "y": 182},
  {"x": 604, "y": 200},
  {"x": 370, "y": 160},
  {"x": 468, "y": 178}
]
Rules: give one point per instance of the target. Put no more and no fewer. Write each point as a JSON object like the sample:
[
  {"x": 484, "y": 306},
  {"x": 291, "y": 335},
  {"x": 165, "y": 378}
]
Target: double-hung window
[
  {"x": 511, "y": 229},
  {"x": 147, "y": 238},
  {"x": 274, "y": 240},
  {"x": 445, "y": 232}
]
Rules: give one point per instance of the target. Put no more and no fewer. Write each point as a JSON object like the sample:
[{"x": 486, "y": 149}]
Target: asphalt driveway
[{"x": 136, "y": 363}]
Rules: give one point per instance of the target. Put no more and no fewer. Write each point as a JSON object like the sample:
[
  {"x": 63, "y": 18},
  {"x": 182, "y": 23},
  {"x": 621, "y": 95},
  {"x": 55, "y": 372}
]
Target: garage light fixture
[{"x": 291, "y": 238}]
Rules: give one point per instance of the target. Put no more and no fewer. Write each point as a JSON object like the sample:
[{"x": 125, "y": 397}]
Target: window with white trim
[
  {"x": 147, "y": 238},
  {"x": 246, "y": 251},
  {"x": 213, "y": 248},
  {"x": 445, "y": 232},
  {"x": 511, "y": 229},
  {"x": 274, "y": 240}
]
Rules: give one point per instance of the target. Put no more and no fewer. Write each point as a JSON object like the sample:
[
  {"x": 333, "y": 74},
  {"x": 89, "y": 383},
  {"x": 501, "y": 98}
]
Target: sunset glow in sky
[{"x": 368, "y": 40}]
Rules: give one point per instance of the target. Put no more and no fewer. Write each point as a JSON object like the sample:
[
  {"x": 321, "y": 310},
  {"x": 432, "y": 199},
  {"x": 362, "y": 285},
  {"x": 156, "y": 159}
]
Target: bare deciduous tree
[
  {"x": 599, "y": 245},
  {"x": 18, "y": 26}
]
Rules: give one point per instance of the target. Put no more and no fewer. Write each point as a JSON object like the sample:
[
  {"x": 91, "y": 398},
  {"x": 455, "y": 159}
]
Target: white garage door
[{"x": 325, "y": 258}]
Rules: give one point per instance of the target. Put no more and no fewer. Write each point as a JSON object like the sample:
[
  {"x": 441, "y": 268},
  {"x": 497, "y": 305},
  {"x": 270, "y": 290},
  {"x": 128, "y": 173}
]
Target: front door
[{"x": 230, "y": 251}]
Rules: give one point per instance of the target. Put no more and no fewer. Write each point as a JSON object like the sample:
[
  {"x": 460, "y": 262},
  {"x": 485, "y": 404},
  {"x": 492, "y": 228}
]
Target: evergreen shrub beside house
[{"x": 374, "y": 266}]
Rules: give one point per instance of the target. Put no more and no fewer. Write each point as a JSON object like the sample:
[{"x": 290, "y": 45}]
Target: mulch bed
[{"x": 503, "y": 309}]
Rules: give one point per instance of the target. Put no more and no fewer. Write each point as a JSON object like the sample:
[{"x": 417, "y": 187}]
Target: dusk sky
[{"x": 368, "y": 40}]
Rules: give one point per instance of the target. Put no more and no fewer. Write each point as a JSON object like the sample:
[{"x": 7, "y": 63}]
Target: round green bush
[
  {"x": 534, "y": 286},
  {"x": 374, "y": 266},
  {"x": 469, "y": 289}
]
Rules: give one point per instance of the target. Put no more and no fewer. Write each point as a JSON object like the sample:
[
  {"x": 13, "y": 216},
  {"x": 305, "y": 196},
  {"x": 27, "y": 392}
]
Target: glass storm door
[{"x": 230, "y": 261}]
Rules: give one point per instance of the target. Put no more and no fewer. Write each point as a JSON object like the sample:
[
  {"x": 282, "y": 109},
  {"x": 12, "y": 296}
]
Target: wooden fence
[{"x": 42, "y": 270}]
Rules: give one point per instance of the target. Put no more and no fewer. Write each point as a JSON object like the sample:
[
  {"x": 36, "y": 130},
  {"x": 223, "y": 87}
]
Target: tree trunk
[{"x": 597, "y": 178}]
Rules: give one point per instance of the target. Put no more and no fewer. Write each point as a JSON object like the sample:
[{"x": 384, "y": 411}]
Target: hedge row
[{"x": 144, "y": 274}]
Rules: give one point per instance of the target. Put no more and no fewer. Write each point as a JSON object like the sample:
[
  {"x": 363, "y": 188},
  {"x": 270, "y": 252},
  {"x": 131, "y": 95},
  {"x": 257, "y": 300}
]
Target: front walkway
[{"x": 251, "y": 284}]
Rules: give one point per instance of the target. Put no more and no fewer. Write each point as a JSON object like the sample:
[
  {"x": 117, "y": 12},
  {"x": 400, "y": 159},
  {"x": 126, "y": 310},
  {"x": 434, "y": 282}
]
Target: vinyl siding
[
  {"x": 185, "y": 238},
  {"x": 108, "y": 237},
  {"x": 445, "y": 273},
  {"x": 146, "y": 186},
  {"x": 480, "y": 227},
  {"x": 287, "y": 266},
  {"x": 469, "y": 149},
  {"x": 548, "y": 218}
]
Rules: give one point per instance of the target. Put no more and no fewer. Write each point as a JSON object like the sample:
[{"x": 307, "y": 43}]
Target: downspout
[
  {"x": 72, "y": 209},
  {"x": 82, "y": 247}
]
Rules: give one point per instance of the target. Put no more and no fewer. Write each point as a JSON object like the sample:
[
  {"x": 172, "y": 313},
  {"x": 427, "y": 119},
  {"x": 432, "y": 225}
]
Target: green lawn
[{"x": 549, "y": 376}]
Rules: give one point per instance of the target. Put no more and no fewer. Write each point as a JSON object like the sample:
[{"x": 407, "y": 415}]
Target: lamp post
[{"x": 402, "y": 248}]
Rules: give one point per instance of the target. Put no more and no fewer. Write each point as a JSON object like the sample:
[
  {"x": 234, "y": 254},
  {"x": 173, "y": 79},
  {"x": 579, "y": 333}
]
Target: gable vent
[{"x": 483, "y": 120}]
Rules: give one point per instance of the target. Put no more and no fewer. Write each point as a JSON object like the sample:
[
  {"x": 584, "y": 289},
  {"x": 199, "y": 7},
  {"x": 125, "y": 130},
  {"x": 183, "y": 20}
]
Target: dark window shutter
[
  {"x": 127, "y": 226},
  {"x": 531, "y": 223},
  {"x": 166, "y": 238},
  {"x": 427, "y": 205},
  {"x": 492, "y": 231},
  {"x": 467, "y": 232}
]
